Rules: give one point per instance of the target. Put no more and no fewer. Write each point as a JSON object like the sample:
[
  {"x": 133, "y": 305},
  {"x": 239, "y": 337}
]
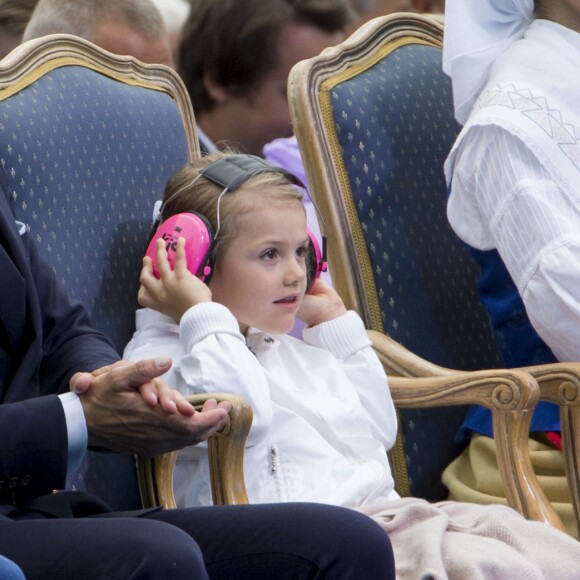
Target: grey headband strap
[{"x": 233, "y": 170}]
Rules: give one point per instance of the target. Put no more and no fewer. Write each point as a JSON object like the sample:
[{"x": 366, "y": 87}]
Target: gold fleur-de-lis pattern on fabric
[
  {"x": 87, "y": 156},
  {"x": 395, "y": 127}
]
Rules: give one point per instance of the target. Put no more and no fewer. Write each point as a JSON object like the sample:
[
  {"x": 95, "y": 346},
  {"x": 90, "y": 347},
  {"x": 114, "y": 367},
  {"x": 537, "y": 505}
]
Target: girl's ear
[{"x": 217, "y": 92}]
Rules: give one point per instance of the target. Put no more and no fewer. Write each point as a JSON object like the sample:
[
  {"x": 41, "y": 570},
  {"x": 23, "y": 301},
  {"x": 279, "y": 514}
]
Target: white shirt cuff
[
  {"x": 76, "y": 428},
  {"x": 342, "y": 336}
]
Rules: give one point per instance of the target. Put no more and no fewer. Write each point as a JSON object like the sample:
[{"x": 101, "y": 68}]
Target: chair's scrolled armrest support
[
  {"x": 560, "y": 384},
  {"x": 226, "y": 459},
  {"x": 511, "y": 396}
]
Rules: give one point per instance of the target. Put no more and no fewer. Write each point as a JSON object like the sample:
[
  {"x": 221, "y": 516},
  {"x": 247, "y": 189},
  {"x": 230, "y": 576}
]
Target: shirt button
[{"x": 269, "y": 340}]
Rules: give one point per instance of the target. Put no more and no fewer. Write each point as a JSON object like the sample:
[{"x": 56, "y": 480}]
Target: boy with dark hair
[{"x": 235, "y": 58}]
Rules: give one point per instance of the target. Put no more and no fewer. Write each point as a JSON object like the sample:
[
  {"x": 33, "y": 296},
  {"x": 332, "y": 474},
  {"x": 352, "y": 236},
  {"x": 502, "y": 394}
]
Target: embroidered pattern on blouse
[{"x": 537, "y": 109}]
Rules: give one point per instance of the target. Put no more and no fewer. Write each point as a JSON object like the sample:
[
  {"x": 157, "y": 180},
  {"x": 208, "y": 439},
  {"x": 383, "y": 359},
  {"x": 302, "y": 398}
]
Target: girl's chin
[
  {"x": 281, "y": 327},
  {"x": 275, "y": 328}
]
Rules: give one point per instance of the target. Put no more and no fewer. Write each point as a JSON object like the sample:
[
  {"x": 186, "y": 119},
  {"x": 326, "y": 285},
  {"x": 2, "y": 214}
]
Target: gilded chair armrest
[
  {"x": 226, "y": 459},
  {"x": 511, "y": 396}
]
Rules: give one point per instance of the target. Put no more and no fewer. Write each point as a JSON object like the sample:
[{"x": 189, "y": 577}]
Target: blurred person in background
[
  {"x": 14, "y": 15},
  {"x": 132, "y": 27},
  {"x": 235, "y": 58},
  {"x": 174, "y": 14}
]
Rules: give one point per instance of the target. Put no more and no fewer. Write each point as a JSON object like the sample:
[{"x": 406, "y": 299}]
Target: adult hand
[
  {"x": 119, "y": 419},
  {"x": 320, "y": 304},
  {"x": 176, "y": 290},
  {"x": 154, "y": 392}
]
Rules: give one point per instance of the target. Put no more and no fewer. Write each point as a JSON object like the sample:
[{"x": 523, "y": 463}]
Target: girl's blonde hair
[{"x": 185, "y": 193}]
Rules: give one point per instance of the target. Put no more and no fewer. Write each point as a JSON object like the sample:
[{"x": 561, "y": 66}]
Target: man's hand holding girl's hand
[{"x": 128, "y": 408}]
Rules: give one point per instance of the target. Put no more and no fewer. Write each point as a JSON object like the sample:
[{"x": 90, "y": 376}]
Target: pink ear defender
[
  {"x": 229, "y": 173},
  {"x": 198, "y": 239},
  {"x": 317, "y": 260}
]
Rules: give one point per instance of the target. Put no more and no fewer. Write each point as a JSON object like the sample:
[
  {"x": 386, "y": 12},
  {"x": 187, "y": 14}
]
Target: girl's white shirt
[{"x": 323, "y": 414}]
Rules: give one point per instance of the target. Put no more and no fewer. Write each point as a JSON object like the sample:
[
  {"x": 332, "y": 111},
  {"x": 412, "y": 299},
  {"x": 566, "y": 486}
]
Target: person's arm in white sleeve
[
  {"x": 346, "y": 338},
  {"x": 218, "y": 360},
  {"x": 502, "y": 197},
  {"x": 214, "y": 357}
]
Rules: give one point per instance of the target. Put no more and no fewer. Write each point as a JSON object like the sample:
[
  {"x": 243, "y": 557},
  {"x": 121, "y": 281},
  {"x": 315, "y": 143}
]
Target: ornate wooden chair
[
  {"x": 87, "y": 142},
  {"x": 374, "y": 121}
]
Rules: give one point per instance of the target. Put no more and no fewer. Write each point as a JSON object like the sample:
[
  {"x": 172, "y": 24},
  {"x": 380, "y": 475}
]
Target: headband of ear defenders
[
  {"x": 232, "y": 171},
  {"x": 229, "y": 173}
]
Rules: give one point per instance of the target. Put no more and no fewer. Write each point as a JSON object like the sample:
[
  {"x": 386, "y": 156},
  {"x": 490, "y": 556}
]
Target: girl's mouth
[{"x": 287, "y": 300}]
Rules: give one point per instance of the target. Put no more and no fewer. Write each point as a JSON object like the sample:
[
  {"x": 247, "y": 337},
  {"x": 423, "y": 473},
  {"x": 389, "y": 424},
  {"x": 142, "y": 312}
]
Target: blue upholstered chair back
[
  {"x": 388, "y": 127},
  {"x": 395, "y": 126},
  {"x": 88, "y": 143}
]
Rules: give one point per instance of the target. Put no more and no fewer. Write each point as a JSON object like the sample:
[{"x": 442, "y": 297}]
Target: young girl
[{"x": 323, "y": 414}]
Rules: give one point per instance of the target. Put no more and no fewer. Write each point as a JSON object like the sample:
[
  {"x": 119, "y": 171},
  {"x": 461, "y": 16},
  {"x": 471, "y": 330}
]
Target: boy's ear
[{"x": 217, "y": 92}]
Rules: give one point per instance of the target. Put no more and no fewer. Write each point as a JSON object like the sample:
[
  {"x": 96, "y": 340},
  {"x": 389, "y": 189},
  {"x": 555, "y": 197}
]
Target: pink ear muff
[
  {"x": 317, "y": 260},
  {"x": 198, "y": 236}
]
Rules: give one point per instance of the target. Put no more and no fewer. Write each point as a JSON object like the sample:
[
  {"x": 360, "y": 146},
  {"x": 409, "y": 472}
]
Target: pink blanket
[{"x": 467, "y": 541}]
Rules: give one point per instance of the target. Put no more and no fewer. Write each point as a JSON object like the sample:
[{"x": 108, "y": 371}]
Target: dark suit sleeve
[
  {"x": 70, "y": 343},
  {"x": 33, "y": 453},
  {"x": 45, "y": 339}
]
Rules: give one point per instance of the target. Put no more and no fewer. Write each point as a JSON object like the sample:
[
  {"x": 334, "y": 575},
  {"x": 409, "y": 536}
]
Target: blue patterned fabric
[
  {"x": 395, "y": 126},
  {"x": 87, "y": 159},
  {"x": 87, "y": 156}
]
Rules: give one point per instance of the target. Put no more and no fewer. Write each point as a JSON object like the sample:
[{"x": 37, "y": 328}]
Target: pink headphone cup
[
  {"x": 198, "y": 241},
  {"x": 318, "y": 263}
]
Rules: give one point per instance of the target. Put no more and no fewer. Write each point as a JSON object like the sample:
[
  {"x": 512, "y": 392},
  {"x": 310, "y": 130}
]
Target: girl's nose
[{"x": 295, "y": 273}]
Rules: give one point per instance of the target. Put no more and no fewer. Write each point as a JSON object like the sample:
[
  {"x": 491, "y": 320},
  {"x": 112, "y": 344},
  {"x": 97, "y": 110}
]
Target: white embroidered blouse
[{"x": 515, "y": 179}]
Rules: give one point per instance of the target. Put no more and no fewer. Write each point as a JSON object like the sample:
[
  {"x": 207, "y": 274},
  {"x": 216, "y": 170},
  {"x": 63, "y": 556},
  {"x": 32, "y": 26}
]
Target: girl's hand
[
  {"x": 176, "y": 290},
  {"x": 321, "y": 304}
]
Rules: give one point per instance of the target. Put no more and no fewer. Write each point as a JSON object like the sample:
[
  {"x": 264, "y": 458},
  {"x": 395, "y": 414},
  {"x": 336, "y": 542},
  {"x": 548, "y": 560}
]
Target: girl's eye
[
  {"x": 302, "y": 252},
  {"x": 269, "y": 255}
]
